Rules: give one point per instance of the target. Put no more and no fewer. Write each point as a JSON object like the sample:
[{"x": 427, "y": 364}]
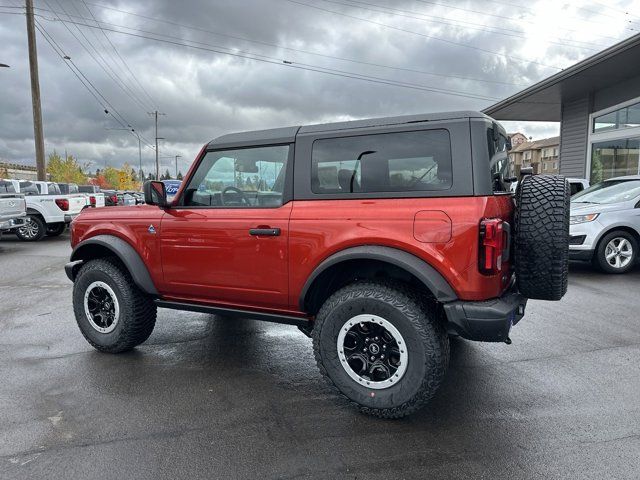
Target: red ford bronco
[{"x": 378, "y": 238}]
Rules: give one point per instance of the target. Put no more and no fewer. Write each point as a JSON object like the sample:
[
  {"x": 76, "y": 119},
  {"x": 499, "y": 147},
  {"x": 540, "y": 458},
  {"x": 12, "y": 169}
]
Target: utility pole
[
  {"x": 35, "y": 92},
  {"x": 177, "y": 157},
  {"x": 155, "y": 114}
]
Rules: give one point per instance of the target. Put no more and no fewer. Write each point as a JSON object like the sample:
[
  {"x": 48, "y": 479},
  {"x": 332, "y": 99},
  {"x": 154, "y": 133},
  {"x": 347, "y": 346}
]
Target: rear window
[
  {"x": 53, "y": 189},
  {"x": 29, "y": 188},
  {"x": 388, "y": 162},
  {"x": 6, "y": 187},
  {"x": 88, "y": 189}
]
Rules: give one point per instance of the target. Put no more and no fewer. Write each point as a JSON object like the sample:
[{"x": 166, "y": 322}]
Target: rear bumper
[
  {"x": 8, "y": 224},
  {"x": 487, "y": 321},
  {"x": 68, "y": 217}
]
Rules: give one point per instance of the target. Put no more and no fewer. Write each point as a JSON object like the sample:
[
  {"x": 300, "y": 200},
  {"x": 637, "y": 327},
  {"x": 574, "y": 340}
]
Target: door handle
[{"x": 264, "y": 232}]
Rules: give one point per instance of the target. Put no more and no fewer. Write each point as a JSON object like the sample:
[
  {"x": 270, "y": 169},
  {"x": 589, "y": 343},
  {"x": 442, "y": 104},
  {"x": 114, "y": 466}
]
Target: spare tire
[{"x": 541, "y": 236}]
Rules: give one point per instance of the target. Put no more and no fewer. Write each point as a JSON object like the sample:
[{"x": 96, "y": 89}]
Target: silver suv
[{"x": 605, "y": 224}]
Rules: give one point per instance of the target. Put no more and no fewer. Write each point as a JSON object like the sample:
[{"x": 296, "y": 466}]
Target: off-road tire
[
  {"x": 418, "y": 320},
  {"x": 599, "y": 259},
  {"x": 38, "y": 223},
  {"x": 541, "y": 243},
  {"x": 137, "y": 315},
  {"x": 55, "y": 229}
]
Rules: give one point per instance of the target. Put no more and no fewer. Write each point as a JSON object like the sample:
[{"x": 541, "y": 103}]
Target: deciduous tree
[{"x": 65, "y": 170}]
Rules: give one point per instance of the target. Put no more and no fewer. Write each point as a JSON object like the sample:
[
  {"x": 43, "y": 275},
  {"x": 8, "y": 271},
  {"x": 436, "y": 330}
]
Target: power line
[
  {"x": 478, "y": 12},
  {"x": 126, "y": 65},
  {"x": 104, "y": 65},
  {"x": 304, "y": 66},
  {"x": 285, "y": 63},
  {"x": 108, "y": 108},
  {"x": 385, "y": 25},
  {"x": 307, "y": 52},
  {"x": 442, "y": 20}
]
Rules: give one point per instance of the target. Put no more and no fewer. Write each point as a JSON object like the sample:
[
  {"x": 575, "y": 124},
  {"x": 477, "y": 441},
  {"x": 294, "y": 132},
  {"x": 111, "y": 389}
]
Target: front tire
[
  {"x": 113, "y": 314},
  {"x": 33, "y": 229},
  {"x": 382, "y": 347},
  {"x": 617, "y": 252}
]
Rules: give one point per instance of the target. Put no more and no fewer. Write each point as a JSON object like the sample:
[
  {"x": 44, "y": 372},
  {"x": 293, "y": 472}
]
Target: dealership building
[{"x": 597, "y": 103}]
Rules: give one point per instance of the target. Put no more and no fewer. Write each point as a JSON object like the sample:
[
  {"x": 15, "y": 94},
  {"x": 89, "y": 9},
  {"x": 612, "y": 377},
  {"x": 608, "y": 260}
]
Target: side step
[{"x": 232, "y": 312}]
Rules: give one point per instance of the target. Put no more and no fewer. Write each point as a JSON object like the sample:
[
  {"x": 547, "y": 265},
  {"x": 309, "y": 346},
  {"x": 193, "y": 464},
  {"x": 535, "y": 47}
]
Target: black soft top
[{"x": 288, "y": 134}]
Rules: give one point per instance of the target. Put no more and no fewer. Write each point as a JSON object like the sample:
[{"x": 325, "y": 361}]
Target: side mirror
[{"x": 155, "y": 193}]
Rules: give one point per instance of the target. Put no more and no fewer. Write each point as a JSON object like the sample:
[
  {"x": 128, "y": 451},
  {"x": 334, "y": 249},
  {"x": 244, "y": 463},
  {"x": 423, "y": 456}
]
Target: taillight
[
  {"x": 63, "y": 204},
  {"x": 92, "y": 200},
  {"x": 492, "y": 243},
  {"x": 114, "y": 198}
]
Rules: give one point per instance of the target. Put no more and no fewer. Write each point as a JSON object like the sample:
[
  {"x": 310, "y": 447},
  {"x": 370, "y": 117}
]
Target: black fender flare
[
  {"x": 429, "y": 276},
  {"x": 121, "y": 249}
]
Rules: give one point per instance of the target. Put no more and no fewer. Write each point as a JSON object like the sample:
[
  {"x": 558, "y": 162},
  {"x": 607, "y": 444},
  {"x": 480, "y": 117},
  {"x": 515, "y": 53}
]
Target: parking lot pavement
[{"x": 208, "y": 397}]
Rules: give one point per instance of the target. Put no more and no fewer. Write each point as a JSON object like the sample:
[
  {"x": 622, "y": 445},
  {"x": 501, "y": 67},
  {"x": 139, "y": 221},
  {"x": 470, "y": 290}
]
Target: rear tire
[
  {"x": 361, "y": 322},
  {"x": 113, "y": 314},
  {"x": 617, "y": 252},
  {"x": 541, "y": 246},
  {"x": 55, "y": 229},
  {"x": 33, "y": 230}
]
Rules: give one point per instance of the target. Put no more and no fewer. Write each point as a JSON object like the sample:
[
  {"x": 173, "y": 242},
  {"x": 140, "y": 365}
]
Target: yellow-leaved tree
[
  {"x": 120, "y": 178},
  {"x": 65, "y": 170}
]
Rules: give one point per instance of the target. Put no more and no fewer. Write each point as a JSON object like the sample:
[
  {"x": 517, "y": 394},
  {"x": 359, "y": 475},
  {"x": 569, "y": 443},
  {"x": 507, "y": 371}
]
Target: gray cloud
[{"x": 205, "y": 94}]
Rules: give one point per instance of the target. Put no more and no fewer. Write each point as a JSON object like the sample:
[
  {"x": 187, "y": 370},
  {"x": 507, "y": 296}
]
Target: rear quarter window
[
  {"x": 29, "y": 188},
  {"x": 388, "y": 162}
]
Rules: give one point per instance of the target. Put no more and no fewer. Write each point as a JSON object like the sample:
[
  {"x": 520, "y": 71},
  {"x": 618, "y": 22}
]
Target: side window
[
  {"x": 53, "y": 189},
  {"x": 29, "y": 188},
  {"x": 387, "y": 162},
  {"x": 241, "y": 178}
]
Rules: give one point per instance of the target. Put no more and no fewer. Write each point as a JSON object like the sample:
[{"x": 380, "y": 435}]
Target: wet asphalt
[{"x": 209, "y": 397}]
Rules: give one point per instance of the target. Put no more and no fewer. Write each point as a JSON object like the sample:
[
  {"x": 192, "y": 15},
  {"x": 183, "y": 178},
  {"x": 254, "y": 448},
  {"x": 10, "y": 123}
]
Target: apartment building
[{"x": 540, "y": 155}]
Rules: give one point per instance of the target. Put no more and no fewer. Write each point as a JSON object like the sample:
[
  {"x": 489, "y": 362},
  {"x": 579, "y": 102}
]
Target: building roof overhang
[{"x": 543, "y": 101}]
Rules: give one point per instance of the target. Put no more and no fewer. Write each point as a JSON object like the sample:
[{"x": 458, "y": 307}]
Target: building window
[
  {"x": 627, "y": 117},
  {"x": 544, "y": 166},
  {"x": 555, "y": 165},
  {"x": 615, "y": 158}
]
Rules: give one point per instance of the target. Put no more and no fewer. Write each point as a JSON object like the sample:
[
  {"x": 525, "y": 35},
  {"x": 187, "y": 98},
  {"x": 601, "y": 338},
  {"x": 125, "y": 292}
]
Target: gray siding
[{"x": 574, "y": 130}]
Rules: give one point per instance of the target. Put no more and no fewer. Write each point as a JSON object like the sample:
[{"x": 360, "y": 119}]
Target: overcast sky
[{"x": 453, "y": 55}]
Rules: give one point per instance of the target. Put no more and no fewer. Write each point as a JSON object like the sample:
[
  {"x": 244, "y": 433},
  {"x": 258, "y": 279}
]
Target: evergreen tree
[{"x": 180, "y": 177}]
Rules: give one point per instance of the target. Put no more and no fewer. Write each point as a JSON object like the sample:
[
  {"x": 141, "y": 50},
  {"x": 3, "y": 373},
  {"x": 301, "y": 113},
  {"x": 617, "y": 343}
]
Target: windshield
[{"x": 612, "y": 191}]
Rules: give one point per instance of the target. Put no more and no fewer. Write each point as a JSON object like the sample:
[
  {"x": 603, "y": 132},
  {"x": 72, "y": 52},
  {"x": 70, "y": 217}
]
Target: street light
[{"x": 139, "y": 148}]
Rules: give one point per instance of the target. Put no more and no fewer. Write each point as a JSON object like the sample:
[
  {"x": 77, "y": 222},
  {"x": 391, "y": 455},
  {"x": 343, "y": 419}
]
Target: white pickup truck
[
  {"x": 94, "y": 199},
  {"x": 13, "y": 208},
  {"x": 48, "y": 211}
]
